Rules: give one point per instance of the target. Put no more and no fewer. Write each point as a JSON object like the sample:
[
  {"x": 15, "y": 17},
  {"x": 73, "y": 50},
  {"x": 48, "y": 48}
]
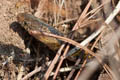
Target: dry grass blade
[
  {"x": 87, "y": 72},
  {"x": 95, "y": 11},
  {"x": 82, "y": 15},
  {"x": 31, "y": 73},
  {"x": 91, "y": 68},
  {"x": 21, "y": 73},
  {"x": 58, "y": 9},
  {"x": 65, "y": 21},
  {"x": 97, "y": 39},
  {"x": 39, "y": 12},
  {"x": 108, "y": 70},
  {"x": 87, "y": 22}
]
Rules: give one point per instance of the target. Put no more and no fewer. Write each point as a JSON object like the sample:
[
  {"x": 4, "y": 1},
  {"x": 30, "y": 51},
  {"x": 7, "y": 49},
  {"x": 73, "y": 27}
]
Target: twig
[
  {"x": 83, "y": 65},
  {"x": 21, "y": 73},
  {"x": 9, "y": 58},
  {"x": 66, "y": 69},
  {"x": 32, "y": 73},
  {"x": 61, "y": 60},
  {"x": 97, "y": 39},
  {"x": 108, "y": 70},
  {"x": 65, "y": 21},
  {"x": 73, "y": 70},
  {"x": 82, "y": 15},
  {"x": 89, "y": 70},
  {"x": 53, "y": 62},
  {"x": 95, "y": 11}
]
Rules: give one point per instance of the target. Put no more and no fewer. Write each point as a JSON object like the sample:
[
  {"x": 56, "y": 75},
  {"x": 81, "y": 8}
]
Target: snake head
[
  {"x": 32, "y": 24},
  {"x": 29, "y": 22}
]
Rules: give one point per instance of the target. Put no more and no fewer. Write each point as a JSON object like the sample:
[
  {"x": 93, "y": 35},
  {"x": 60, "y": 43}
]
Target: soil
[
  {"x": 10, "y": 40},
  {"x": 8, "y": 12}
]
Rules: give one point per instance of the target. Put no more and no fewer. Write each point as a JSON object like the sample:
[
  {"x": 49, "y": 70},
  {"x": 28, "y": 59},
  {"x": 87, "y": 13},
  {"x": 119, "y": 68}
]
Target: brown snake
[{"x": 32, "y": 23}]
